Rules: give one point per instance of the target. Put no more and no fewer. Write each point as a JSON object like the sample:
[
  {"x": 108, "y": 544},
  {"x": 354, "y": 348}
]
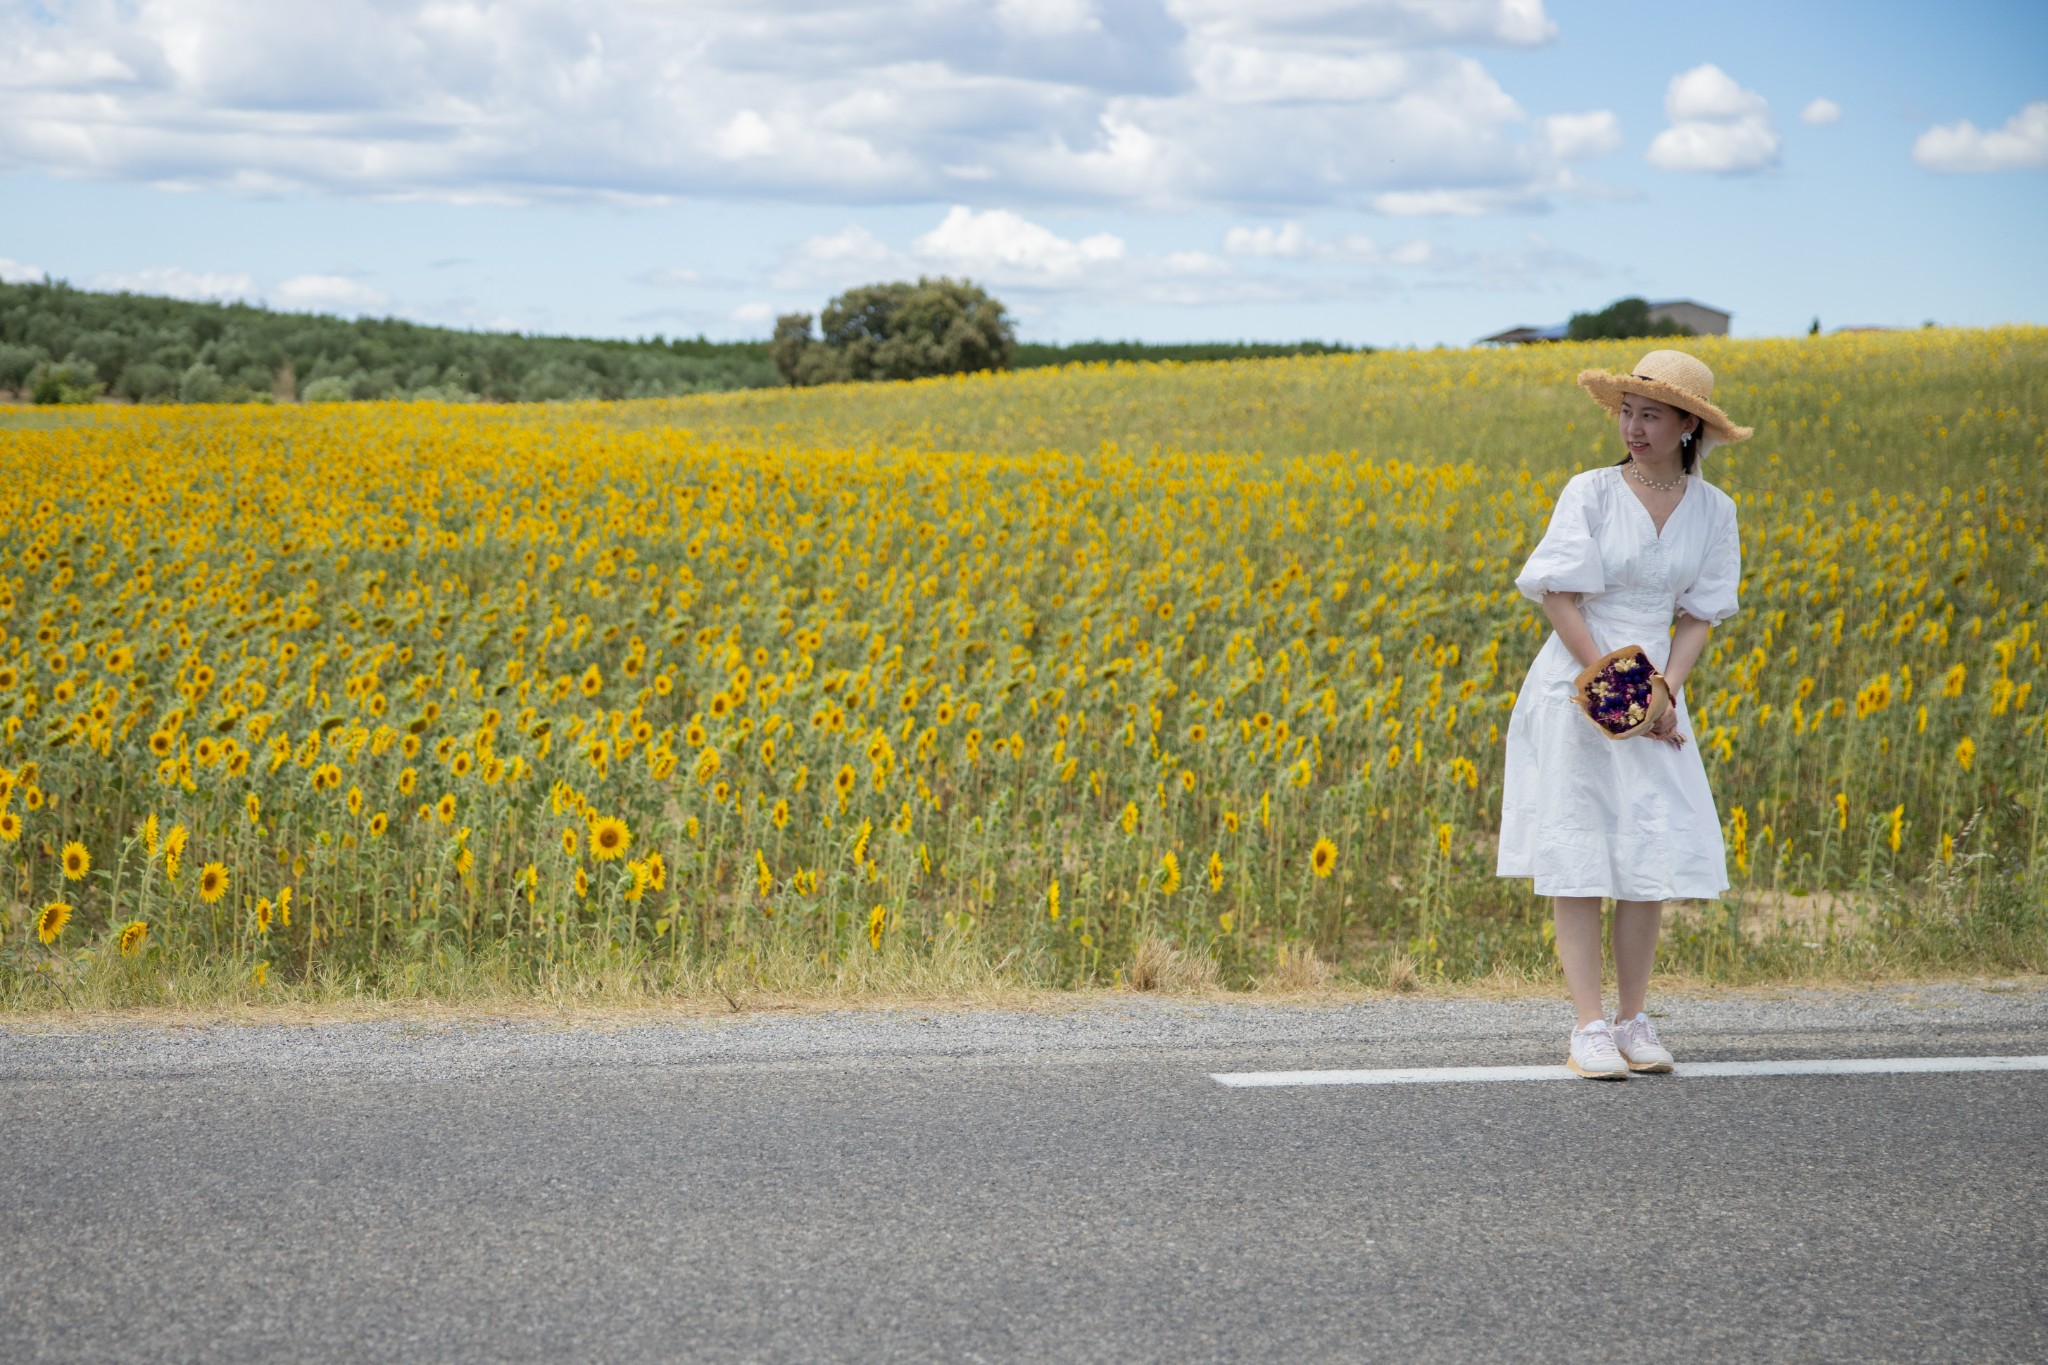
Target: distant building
[{"x": 1704, "y": 321}]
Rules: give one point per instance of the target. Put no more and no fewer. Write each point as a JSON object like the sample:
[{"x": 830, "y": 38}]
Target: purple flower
[{"x": 1618, "y": 697}]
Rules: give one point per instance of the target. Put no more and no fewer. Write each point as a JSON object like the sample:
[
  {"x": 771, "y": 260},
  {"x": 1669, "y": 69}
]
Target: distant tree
[
  {"x": 201, "y": 383},
  {"x": 144, "y": 381},
  {"x": 17, "y": 363},
  {"x": 1814, "y": 330},
  {"x": 1622, "y": 318},
  {"x": 896, "y": 331},
  {"x": 73, "y": 381}
]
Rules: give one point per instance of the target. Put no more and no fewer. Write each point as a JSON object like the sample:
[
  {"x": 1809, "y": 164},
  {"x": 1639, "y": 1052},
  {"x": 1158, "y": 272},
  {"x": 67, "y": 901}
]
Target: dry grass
[
  {"x": 1297, "y": 970},
  {"x": 1157, "y": 965}
]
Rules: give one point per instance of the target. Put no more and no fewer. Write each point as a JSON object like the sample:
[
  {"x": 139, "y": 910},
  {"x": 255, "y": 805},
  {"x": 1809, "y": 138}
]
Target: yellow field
[{"x": 1022, "y": 669}]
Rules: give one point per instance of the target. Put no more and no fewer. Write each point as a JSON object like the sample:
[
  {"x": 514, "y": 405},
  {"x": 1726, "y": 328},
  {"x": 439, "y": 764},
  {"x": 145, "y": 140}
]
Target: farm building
[{"x": 1703, "y": 320}]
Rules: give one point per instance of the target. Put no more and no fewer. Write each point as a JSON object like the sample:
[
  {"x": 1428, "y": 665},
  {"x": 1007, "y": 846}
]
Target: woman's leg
[
  {"x": 1635, "y": 951},
  {"x": 1578, "y": 951}
]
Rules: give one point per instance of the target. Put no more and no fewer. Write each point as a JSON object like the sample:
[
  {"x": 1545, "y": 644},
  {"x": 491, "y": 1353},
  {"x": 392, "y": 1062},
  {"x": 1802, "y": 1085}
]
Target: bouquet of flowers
[{"x": 1622, "y": 692}]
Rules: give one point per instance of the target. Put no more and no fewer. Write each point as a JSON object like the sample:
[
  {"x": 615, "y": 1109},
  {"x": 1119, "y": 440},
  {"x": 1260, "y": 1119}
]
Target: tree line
[{"x": 59, "y": 344}]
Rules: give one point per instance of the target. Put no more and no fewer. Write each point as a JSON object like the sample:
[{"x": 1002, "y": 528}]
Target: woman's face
[{"x": 1651, "y": 430}]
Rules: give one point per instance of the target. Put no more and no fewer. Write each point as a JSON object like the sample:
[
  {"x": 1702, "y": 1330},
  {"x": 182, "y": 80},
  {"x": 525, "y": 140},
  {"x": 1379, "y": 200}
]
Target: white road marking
[{"x": 1838, "y": 1066}]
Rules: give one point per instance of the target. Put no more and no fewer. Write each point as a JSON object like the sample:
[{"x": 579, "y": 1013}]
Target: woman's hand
[{"x": 1666, "y": 726}]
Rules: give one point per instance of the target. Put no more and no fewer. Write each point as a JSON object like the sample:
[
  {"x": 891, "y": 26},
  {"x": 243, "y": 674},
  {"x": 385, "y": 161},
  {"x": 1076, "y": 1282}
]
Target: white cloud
[
  {"x": 1158, "y": 103},
  {"x": 1821, "y": 112},
  {"x": 672, "y": 277},
  {"x": 1287, "y": 241},
  {"x": 1716, "y": 125},
  {"x": 852, "y": 255},
  {"x": 15, "y": 272},
  {"x": 1582, "y": 137},
  {"x": 328, "y": 294},
  {"x": 1048, "y": 18},
  {"x": 178, "y": 283},
  {"x": 747, "y": 135},
  {"x": 754, "y": 314},
  {"x": 1708, "y": 92},
  {"x": 2021, "y": 145},
  {"x": 999, "y": 244}
]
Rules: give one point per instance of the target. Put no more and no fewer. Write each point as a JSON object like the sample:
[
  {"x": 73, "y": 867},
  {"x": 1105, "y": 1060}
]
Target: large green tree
[
  {"x": 1620, "y": 319},
  {"x": 896, "y": 331}
]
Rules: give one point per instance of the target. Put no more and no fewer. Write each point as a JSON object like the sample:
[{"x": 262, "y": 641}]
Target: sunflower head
[
  {"x": 132, "y": 936},
  {"x": 51, "y": 921},
  {"x": 77, "y": 862},
  {"x": 213, "y": 882},
  {"x": 609, "y": 838}
]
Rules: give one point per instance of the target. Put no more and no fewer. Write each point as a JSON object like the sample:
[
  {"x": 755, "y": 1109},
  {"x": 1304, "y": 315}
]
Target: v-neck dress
[{"x": 1582, "y": 814}]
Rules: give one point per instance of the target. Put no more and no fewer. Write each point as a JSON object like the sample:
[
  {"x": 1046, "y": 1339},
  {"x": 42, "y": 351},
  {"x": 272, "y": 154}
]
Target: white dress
[{"x": 1582, "y": 814}]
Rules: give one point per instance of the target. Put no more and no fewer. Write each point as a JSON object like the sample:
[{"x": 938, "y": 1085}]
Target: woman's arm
[
  {"x": 1562, "y": 611},
  {"x": 1686, "y": 643}
]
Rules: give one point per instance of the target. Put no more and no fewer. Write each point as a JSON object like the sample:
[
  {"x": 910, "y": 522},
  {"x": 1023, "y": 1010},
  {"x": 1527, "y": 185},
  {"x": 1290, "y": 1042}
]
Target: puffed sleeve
[
  {"x": 1567, "y": 559},
  {"x": 1712, "y": 596}
]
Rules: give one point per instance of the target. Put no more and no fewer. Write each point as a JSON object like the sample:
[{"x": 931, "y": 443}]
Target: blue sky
[{"x": 1396, "y": 172}]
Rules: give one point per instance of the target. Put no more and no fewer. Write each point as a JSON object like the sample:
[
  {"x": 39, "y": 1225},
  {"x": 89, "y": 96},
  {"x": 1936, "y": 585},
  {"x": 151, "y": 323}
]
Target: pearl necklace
[{"x": 1648, "y": 482}]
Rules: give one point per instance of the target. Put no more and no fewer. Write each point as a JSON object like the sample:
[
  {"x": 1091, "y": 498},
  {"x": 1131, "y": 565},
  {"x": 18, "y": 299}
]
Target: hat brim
[{"x": 1607, "y": 390}]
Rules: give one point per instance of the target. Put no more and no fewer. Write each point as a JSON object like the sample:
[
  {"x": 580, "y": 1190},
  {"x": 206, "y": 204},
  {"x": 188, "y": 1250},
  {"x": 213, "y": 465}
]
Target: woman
[{"x": 1628, "y": 546}]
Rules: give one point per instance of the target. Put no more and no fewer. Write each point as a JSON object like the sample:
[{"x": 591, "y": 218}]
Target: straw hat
[{"x": 1672, "y": 377}]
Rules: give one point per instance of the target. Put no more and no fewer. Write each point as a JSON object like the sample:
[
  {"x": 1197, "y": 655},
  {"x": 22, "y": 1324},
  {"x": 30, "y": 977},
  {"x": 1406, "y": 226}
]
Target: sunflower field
[{"x": 1026, "y": 669}]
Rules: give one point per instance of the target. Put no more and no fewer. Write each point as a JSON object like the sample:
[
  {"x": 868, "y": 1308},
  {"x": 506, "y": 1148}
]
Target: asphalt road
[{"x": 1016, "y": 1188}]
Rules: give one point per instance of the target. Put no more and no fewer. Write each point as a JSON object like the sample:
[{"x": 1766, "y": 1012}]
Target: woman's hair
[{"x": 1688, "y": 451}]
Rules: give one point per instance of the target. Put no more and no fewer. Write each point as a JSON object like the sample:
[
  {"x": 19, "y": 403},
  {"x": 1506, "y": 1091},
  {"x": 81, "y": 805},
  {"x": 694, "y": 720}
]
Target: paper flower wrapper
[{"x": 1622, "y": 693}]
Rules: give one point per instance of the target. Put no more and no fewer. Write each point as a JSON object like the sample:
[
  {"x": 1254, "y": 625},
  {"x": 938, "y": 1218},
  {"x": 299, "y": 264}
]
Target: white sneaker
[
  {"x": 1593, "y": 1053},
  {"x": 1637, "y": 1041}
]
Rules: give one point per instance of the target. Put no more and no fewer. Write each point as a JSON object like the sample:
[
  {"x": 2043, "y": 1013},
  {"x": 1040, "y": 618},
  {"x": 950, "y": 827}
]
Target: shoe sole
[
  {"x": 1595, "y": 1075},
  {"x": 1650, "y": 1066}
]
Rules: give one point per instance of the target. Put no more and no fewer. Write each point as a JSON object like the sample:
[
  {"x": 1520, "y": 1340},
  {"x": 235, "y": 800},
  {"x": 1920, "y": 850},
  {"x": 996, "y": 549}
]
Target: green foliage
[
  {"x": 1033, "y": 354},
  {"x": 73, "y": 344},
  {"x": 896, "y": 331},
  {"x": 72, "y": 381},
  {"x": 1622, "y": 319}
]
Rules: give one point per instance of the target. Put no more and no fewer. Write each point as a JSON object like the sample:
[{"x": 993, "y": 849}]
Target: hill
[{"x": 60, "y": 344}]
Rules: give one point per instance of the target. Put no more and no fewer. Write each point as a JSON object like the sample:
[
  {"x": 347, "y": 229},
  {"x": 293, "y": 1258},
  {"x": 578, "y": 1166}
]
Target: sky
[{"x": 1384, "y": 172}]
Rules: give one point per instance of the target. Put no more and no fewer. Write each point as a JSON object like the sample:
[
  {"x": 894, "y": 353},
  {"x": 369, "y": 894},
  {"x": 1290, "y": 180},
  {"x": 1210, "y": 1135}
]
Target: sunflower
[
  {"x": 263, "y": 911},
  {"x": 132, "y": 936},
  {"x": 77, "y": 862},
  {"x": 780, "y": 816},
  {"x": 1323, "y": 857},
  {"x": 582, "y": 881},
  {"x": 592, "y": 681},
  {"x": 52, "y": 920},
  {"x": 461, "y": 764},
  {"x": 355, "y": 800},
  {"x": 378, "y": 824},
  {"x": 213, "y": 882},
  {"x": 609, "y": 838},
  {"x": 408, "y": 779},
  {"x": 444, "y": 809},
  {"x": 569, "y": 841},
  {"x": 10, "y": 826}
]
